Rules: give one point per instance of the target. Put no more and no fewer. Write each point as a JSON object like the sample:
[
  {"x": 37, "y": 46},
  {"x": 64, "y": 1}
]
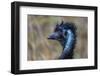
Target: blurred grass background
[{"x": 40, "y": 27}]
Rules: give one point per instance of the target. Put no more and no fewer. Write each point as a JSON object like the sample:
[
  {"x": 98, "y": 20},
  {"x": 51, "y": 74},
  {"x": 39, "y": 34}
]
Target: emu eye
[{"x": 64, "y": 33}]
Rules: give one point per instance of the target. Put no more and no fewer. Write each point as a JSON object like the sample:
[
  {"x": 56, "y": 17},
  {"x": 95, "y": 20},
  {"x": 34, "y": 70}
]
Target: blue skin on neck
[{"x": 68, "y": 44}]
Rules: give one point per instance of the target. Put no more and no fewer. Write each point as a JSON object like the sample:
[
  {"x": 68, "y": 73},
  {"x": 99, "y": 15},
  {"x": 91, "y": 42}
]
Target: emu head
[
  {"x": 59, "y": 32},
  {"x": 65, "y": 33}
]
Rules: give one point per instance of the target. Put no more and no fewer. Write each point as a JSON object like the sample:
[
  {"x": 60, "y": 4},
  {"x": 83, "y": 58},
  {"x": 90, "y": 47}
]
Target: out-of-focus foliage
[{"x": 40, "y": 27}]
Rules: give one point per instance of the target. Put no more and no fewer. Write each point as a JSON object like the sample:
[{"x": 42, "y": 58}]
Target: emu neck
[{"x": 67, "y": 44}]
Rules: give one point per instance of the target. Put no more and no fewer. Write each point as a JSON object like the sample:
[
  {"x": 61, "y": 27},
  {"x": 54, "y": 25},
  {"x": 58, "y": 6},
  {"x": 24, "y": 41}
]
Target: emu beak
[{"x": 53, "y": 36}]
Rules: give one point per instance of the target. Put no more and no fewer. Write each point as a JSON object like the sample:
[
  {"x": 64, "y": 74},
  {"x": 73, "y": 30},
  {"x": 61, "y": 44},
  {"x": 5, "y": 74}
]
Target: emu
[{"x": 65, "y": 33}]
